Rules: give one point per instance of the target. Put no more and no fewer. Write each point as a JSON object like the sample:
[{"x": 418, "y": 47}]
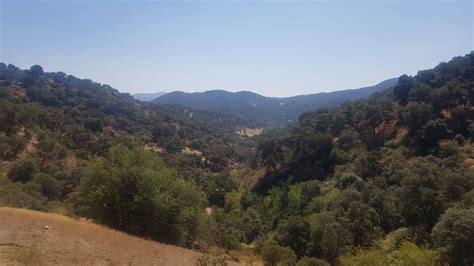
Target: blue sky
[{"x": 275, "y": 48}]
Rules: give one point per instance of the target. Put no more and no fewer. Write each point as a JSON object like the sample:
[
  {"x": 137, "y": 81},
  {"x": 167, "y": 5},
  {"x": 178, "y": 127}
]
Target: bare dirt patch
[
  {"x": 154, "y": 148},
  {"x": 30, "y": 146},
  {"x": 401, "y": 133},
  {"x": 470, "y": 162},
  {"x": 189, "y": 151},
  {"x": 386, "y": 127},
  {"x": 446, "y": 113},
  {"x": 249, "y": 132}
]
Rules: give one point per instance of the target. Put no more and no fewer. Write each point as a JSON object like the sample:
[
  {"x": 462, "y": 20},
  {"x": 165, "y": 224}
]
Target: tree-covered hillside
[
  {"x": 87, "y": 118},
  {"x": 267, "y": 110},
  {"x": 53, "y": 126},
  {"x": 383, "y": 181}
]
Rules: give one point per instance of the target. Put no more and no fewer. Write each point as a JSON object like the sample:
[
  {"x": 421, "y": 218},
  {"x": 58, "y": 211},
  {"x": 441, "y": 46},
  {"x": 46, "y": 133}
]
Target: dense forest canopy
[{"x": 378, "y": 181}]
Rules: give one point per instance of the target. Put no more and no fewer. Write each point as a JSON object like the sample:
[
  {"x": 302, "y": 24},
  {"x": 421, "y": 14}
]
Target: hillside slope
[
  {"x": 267, "y": 110},
  {"x": 84, "y": 115},
  {"x": 30, "y": 237}
]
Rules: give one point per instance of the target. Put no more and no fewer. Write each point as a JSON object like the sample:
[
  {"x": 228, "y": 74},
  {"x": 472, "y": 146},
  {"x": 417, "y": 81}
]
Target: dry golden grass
[
  {"x": 31, "y": 145},
  {"x": 35, "y": 238},
  {"x": 189, "y": 151},
  {"x": 154, "y": 148},
  {"x": 446, "y": 113},
  {"x": 470, "y": 162},
  {"x": 401, "y": 133},
  {"x": 386, "y": 128},
  {"x": 25, "y": 256}
]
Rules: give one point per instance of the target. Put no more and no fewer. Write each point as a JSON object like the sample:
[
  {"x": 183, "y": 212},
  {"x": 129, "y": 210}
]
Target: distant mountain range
[
  {"x": 267, "y": 110},
  {"x": 147, "y": 97}
]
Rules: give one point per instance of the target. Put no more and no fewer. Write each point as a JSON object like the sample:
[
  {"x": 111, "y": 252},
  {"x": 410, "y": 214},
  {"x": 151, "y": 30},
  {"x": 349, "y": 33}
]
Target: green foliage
[
  {"x": 23, "y": 170},
  {"x": 19, "y": 195},
  {"x": 302, "y": 156},
  {"x": 228, "y": 237},
  {"x": 366, "y": 257},
  {"x": 349, "y": 179},
  {"x": 448, "y": 148},
  {"x": 411, "y": 254},
  {"x": 364, "y": 222},
  {"x": 407, "y": 254},
  {"x": 216, "y": 187},
  {"x": 295, "y": 233},
  {"x": 49, "y": 186},
  {"x": 273, "y": 253},
  {"x": 423, "y": 194},
  {"x": 393, "y": 240},
  {"x": 94, "y": 124},
  {"x": 402, "y": 90},
  {"x": 295, "y": 198},
  {"x": 455, "y": 231},
  {"x": 19, "y": 198},
  {"x": 232, "y": 200},
  {"x": 131, "y": 190},
  {"x": 253, "y": 225},
  {"x": 335, "y": 238},
  {"x": 49, "y": 148},
  {"x": 11, "y": 146}
]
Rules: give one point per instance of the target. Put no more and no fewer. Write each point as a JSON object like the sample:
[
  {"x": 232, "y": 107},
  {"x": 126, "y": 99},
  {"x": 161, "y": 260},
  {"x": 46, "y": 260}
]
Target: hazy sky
[{"x": 276, "y": 48}]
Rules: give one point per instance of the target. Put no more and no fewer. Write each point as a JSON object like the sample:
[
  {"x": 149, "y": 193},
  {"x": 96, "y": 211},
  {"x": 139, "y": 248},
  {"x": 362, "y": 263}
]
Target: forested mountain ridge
[{"x": 267, "y": 110}]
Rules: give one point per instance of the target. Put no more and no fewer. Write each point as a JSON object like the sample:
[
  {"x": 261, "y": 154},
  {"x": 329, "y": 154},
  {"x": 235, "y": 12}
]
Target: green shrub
[
  {"x": 22, "y": 170},
  {"x": 50, "y": 187},
  {"x": 273, "y": 253},
  {"x": 11, "y": 146},
  {"x": 455, "y": 232},
  {"x": 131, "y": 190}
]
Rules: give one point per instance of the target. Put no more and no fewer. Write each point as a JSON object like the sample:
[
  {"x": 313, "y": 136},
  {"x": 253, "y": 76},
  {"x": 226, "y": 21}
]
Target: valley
[{"x": 377, "y": 175}]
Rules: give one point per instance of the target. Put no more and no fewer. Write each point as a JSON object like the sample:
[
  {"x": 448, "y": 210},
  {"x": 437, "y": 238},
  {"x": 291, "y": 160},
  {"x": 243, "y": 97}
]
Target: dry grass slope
[{"x": 35, "y": 238}]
